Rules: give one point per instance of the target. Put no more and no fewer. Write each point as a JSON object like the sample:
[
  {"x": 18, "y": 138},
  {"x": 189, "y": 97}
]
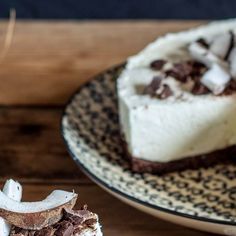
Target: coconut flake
[
  {"x": 202, "y": 54},
  {"x": 232, "y": 61},
  {"x": 222, "y": 44},
  {"x": 13, "y": 190},
  {"x": 216, "y": 79}
]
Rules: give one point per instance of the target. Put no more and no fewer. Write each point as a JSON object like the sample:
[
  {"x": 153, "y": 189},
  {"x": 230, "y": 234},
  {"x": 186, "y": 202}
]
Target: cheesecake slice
[{"x": 177, "y": 100}]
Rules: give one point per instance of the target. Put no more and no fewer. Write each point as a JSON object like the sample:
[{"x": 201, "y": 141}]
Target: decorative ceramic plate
[{"x": 204, "y": 199}]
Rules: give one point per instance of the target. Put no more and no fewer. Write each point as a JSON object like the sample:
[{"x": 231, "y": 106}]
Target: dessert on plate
[
  {"x": 177, "y": 100},
  {"x": 52, "y": 216}
]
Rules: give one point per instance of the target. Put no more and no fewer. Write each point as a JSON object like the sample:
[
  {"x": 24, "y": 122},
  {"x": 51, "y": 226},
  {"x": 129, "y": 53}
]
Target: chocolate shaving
[
  {"x": 187, "y": 71},
  {"x": 49, "y": 231},
  {"x": 165, "y": 93},
  {"x": 199, "y": 89},
  {"x": 72, "y": 223},
  {"x": 158, "y": 64},
  {"x": 157, "y": 89},
  {"x": 230, "y": 89},
  {"x": 190, "y": 70},
  {"x": 20, "y": 232},
  {"x": 198, "y": 69},
  {"x": 65, "y": 228},
  {"x": 180, "y": 71},
  {"x": 153, "y": 86},
  {"x": 90, "y": 222}
]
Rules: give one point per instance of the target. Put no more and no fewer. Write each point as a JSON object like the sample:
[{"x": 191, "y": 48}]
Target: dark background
[{"x": 117, "y": 9}]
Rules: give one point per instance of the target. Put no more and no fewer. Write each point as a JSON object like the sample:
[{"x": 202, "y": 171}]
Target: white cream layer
[
  {"x": 91, "y": 231},
  {"x": 183, "y": 125}
]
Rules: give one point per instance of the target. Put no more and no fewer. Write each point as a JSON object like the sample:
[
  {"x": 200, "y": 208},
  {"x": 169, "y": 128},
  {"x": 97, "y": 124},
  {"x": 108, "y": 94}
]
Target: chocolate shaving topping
[
  {"x": 49, "y": 231},
  {"x": 232, "y": 84},
  {"x": 180, "y": 71},
  {"x": 75, "y": 220},
  {"x": 90, "y": 222},
  {"x": 231, "y": 88},
  {"x": 199, "y": 89},
  {"x": 65, "y": 228},
  {"x": 198, "y": 69},
  {"x": 158, "y": 64},
  {"x": 72, "y": 223},
  {"x": 21, "y": 232},
  {"x": 166, "y": 92},
  {"x": 186, "y": 70},
  {"x": 157, "y": 89},
  {"x": 153, "y": 86},
  {"x": 183, "y": 72},
  {"x": 190, "y": 72}
]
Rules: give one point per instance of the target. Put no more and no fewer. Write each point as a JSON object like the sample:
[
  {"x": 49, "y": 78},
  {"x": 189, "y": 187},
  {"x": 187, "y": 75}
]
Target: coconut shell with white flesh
[
  {"x": 36, "y": 215},
  {"x": 13, "y": 190}
]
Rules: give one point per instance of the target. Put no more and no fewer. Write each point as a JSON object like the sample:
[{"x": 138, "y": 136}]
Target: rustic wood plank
[
  {"x": 116, "y": 217},
  {"x": 47, "y": 61},
  {"x": 32, "y": 147}
]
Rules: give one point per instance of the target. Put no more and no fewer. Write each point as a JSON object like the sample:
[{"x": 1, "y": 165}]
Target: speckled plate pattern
[{"x": 90, "y": 128}]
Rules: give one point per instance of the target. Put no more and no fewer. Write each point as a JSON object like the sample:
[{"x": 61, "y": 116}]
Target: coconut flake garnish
[
  {"x": 202, "y": 54},
  {"x": 222, "y": 44},
  {"x": 216, "y": 79},
  {"x": 13, "y": 190},
  {"x": 232, "y": 61},
  {"x": 220, "y": 59}
]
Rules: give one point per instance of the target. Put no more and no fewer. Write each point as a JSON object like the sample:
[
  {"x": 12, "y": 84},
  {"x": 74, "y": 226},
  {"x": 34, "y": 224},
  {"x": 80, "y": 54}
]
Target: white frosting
[
  {"x": 182, "y": 125},
  {"x": 91, "y": 232}
]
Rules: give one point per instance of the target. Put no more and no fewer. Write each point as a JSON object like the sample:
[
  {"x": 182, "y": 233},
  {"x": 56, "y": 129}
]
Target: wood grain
[
  {"x": 30, "y": 141},
  {"x": 47, "y": 61}
]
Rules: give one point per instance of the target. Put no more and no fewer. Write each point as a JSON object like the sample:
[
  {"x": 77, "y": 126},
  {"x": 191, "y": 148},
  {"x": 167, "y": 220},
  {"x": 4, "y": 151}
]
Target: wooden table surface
[{"x": 47, "y": 61}]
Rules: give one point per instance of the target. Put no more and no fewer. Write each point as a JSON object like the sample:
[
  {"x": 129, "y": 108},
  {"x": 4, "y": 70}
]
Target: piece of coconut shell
[{"x": 39, "y": 219}]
